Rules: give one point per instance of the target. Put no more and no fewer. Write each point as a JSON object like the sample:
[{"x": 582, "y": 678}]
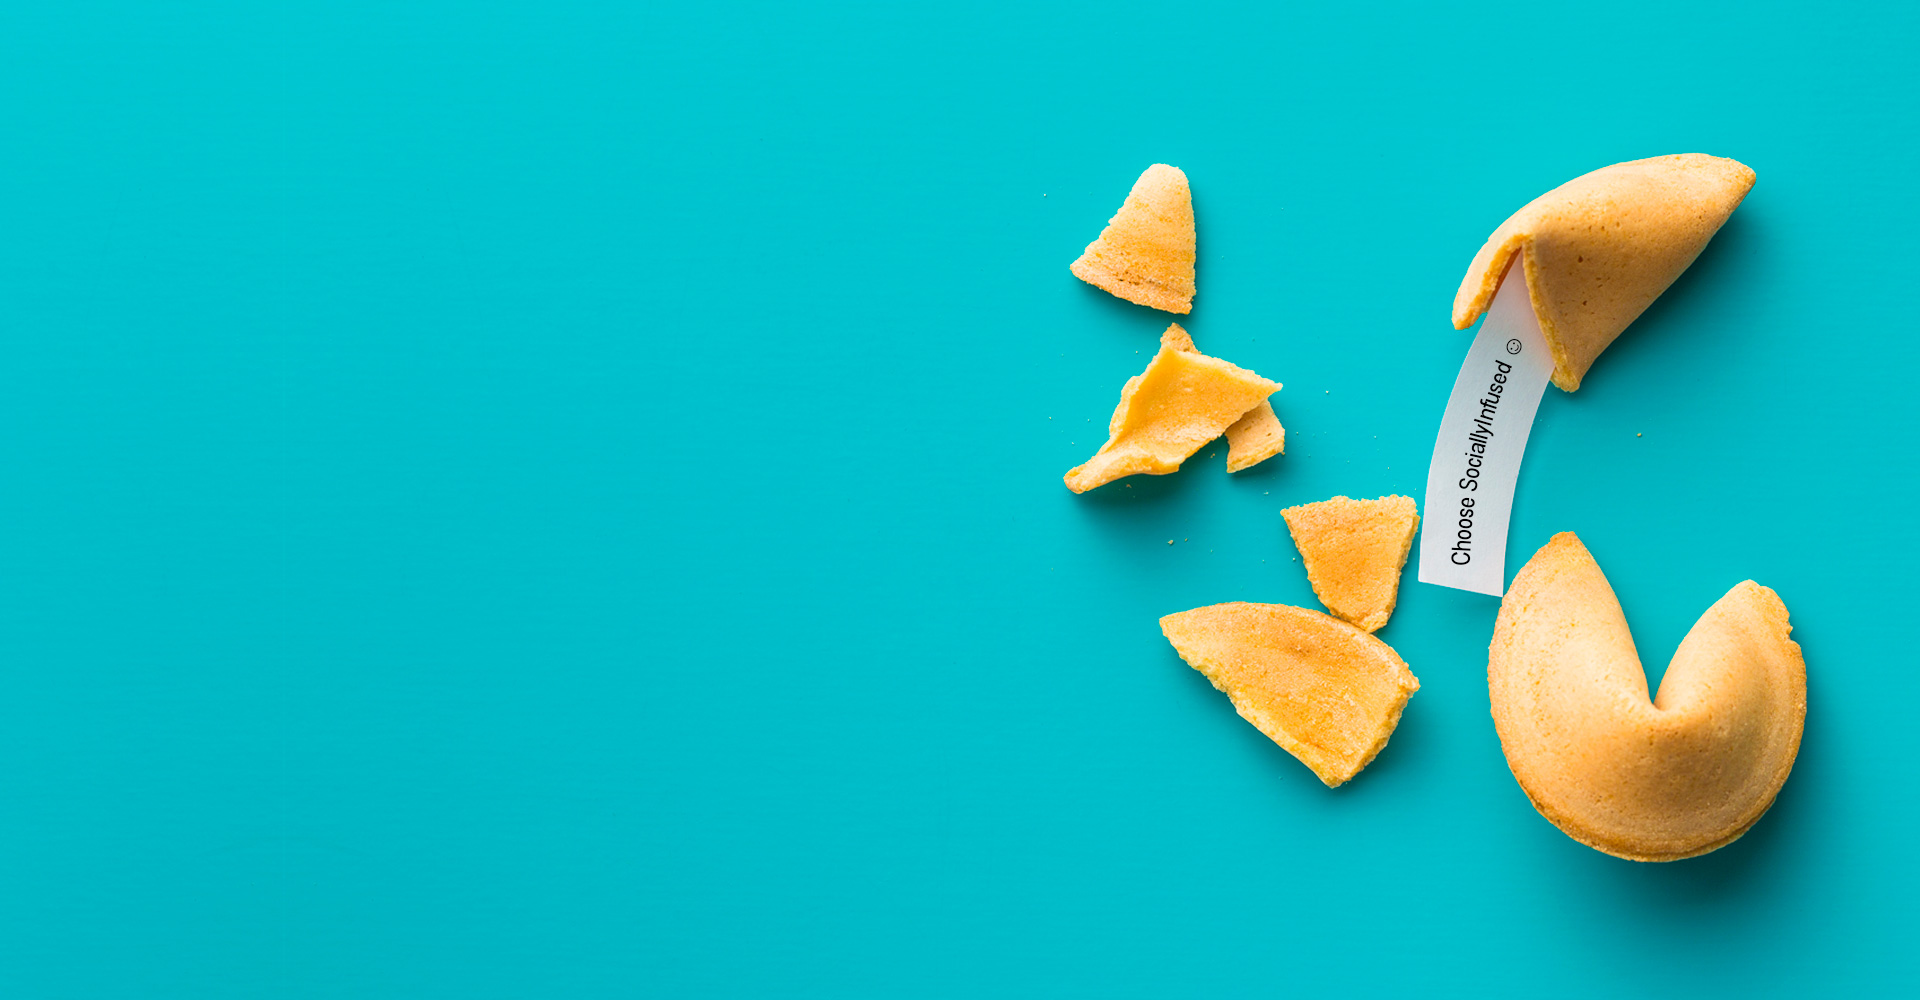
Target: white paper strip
[{"x": 1483, "y": 437}]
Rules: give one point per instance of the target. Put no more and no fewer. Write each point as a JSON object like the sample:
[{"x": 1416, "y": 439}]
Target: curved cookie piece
[
  {"x": 1146, "y": 253},
  {"x": 1325, "y": 691},
  {"x": 1684, "y": 774},
  {"x": 1601, "y": 247},
  {"x": 1183, "y": 400},
  {"x": 1354, "y": 551}
]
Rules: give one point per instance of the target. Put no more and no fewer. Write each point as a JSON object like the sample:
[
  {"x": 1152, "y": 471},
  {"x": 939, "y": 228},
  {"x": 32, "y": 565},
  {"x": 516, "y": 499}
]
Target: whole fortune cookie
[
  {"x": 1647, "y": 779},
  {"x": 1601, "y": 247}
]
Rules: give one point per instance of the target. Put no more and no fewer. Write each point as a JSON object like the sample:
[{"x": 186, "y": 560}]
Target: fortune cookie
[
  {"x": 1601, "y": 247},
  {"x": 1146, "y": 253},
  {"x": 1183, "y": 400},
  {"x": 1325, "y": 691},
  {"x": 1660, "y": 780},
  {"x": 1354, "y": 551}
]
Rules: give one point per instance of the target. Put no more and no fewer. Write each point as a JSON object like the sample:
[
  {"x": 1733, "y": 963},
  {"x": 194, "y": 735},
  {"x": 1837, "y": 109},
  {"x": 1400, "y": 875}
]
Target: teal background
[{"x": 516, "y": 500}]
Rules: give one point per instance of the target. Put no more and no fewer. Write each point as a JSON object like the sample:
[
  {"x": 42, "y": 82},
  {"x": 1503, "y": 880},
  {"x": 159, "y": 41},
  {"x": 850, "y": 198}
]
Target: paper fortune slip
[{"x": 1483, "y": 436}]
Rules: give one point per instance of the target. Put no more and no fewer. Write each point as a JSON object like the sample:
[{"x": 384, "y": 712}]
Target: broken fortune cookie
[
  {"x": 1683, "y": 774},
  {"x": 1252, "y": 439},
  {"x": 1597, "y": 250},
  {"x": 1327, "y": 692},
  {"x": 1182, "y": 401},
  {"x": 1146, "y": 253},
  {"x": 1255, "y": 438},
  {"x": 1354, "y": 551}
]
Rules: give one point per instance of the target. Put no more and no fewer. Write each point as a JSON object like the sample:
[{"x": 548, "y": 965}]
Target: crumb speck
[
  {"x": 1169, "y": 541},
  {"x": 1639, "y": 435}
]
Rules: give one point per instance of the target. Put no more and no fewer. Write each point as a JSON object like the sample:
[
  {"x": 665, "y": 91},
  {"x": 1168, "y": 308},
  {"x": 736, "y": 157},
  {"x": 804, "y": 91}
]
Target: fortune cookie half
[
  {"x": 1183, "y": 400},
  {"x": 1327, "y": 692},
  {"x": 1660, "y": 780},
  {"x": 1600, "y": 248},
  {"x": 1146, "y": 253}
]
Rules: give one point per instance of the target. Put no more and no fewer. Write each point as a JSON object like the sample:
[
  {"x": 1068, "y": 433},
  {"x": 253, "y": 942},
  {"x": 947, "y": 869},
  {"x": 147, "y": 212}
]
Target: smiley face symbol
[{"x": 1513, "y": 347}]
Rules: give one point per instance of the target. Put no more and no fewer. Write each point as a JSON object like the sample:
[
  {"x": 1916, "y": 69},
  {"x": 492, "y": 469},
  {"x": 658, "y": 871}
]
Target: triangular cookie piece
[
  {"x": 1183, "y": 400},
  {"x": 1597, "y": 250},
  {"x": 1354, "y": 551},
  {"x": 1146, "y": 253},
  {"x": 1325, "y": 691}
]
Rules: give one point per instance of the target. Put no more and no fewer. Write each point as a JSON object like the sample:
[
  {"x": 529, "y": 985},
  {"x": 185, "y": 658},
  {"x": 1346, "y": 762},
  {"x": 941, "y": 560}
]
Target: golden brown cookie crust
[
  {"x": 1255, "y": 438},
  {"x": 1326, "y": 692},
  {"x": 1354, "y": 551},
  {"x": 1600, "y": 248},
  {"x": 1683, "y": 774},
  {"x": 1146, "y": 253},
  {"x": 1183, "y": 400}
]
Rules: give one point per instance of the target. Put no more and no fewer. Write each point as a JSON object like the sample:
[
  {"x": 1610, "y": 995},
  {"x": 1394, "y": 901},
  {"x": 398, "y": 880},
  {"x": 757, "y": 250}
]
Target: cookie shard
[
  {"x": 1182, "y": 401},
  {"x": 1146, "y": 253},
  {"x": 1678, "y": 776},
  {"x": 1327, "y": 692},
  {"x": 1354, "y": 551},
  {"x": 1600, "y": 248},
  {"x": 1254, "y": 438}
]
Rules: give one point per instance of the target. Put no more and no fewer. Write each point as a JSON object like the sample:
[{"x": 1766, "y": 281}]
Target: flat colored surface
[{"x": 511, "y": 500}]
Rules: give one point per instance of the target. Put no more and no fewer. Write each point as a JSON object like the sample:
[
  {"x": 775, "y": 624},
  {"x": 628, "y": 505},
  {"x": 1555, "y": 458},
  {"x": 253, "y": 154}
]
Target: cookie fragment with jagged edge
[
  {"x": 1597, "y": 250},
  {"x": 1146, "y": 253},
  {"x": 1182, "y": 401},
  {"x": 1325, "y": 691},
  {"x": 1683, "y": 773},
  {"x": 1354, "y": 551},
  {"x": 1254, "y": 438}
]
